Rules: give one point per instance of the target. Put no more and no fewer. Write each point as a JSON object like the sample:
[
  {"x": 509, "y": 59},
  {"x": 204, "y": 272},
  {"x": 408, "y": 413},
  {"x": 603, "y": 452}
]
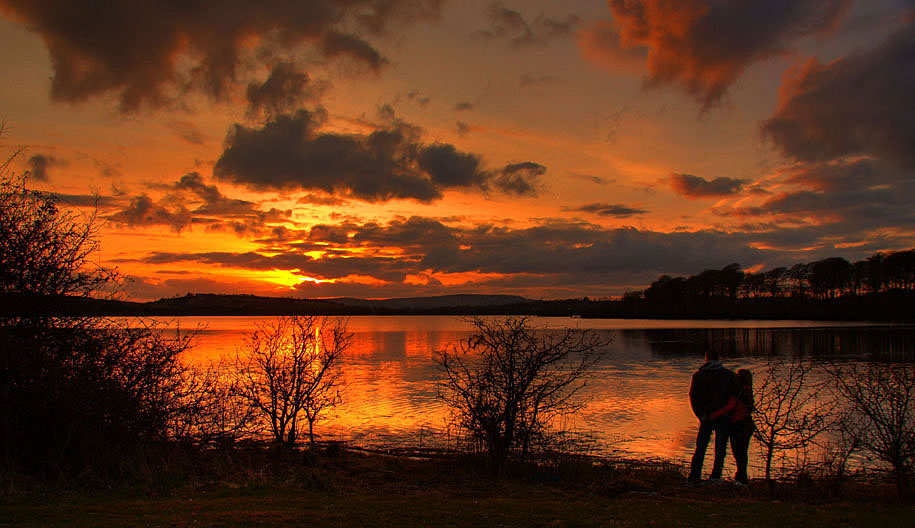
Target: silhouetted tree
[
  {"x": 774, "y": 280},
  {"x": 730, "y": 278},
  {"x": 289, "y": 373},
  {"x": 800, "y": 274},
  {"x": 753, "y": 285},
  {"x": 899, "y": 268},
  {"x": 666, "y": 294},
  {"x": 874, "y": 272},
  {"x": 508, "y": 381},
  {"x": 790, "y": 413},
  {"x": 830, "y": 277}
]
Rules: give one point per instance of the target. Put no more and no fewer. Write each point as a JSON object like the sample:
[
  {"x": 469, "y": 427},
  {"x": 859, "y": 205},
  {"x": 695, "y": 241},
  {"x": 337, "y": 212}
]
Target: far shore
[{"x": 879, "y": 307}]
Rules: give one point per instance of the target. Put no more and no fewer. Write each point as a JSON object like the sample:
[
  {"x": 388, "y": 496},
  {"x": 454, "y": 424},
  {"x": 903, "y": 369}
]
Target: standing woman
[{"x": 740, "y": 408}]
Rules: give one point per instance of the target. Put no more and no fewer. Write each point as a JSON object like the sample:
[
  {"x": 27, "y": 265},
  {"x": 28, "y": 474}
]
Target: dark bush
[{"x": 79, "y": 396}]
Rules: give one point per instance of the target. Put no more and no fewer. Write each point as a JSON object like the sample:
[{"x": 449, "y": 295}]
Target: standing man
[{"x": 709, "y": 391}]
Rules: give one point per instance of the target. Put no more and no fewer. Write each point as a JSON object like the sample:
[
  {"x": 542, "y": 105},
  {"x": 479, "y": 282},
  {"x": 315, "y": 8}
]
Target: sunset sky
[{"x": 393, "y": 148}]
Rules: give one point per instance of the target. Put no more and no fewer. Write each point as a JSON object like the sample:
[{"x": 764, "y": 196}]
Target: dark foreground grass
[
  {"x": 279, "y": 507},
  {"x": 354, "y": 489}
]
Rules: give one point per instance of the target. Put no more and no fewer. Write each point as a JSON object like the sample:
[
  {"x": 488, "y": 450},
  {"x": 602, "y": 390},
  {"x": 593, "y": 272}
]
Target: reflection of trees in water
[{"x": 896, "y": 343}]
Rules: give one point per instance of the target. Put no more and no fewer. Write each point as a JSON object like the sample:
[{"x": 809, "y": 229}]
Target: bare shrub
[
  {"x": 289, "y": 375},
  {"x": 880, "y": 418},
  {"x": 211, "y": 414},
  {"x": 507, "y": 382},
  {"x": 790, "y": 410}
]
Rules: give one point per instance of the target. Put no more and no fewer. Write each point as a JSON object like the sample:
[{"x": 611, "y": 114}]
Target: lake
[{"x": 638, "y": 404}]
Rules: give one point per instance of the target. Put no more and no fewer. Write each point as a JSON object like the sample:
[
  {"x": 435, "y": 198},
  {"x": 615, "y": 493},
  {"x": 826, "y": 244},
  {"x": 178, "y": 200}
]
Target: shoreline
[{"x": 330, "y": 486}]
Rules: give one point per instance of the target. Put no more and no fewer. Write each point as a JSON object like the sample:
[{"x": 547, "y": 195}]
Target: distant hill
[
  {"x": 441, "y": 301},
  {"x": 217, "y": 304},
  {"x": 878, "y": 306}
]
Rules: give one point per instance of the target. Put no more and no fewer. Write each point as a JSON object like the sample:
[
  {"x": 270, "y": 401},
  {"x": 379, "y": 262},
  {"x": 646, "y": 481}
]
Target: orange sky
[{"x": 422, "y": 147}]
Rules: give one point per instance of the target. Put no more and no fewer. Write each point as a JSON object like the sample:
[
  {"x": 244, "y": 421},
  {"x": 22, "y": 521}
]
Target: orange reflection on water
[
  {"x": 390, "y": 392},
  {"x": 638, "y": 397}
]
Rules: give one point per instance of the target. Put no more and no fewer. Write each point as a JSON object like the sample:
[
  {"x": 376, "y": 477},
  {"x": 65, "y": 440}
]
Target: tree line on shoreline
[{"x": 880, "y": 287}]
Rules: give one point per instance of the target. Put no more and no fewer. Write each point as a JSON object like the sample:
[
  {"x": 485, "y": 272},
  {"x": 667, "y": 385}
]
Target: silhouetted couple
[{"x": 723, "y": 402}]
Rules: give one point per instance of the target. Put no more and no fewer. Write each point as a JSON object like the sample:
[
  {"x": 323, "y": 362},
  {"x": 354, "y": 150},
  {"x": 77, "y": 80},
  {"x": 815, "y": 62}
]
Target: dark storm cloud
[
  {"x": 860, "y": 174},
  {"x": 39, "y": 164},
  {"x": 317, "y": 199},
  {"x": 190, "y": 201},
  {"x": 145, "y": 52},
  {"x": 615, "y": 210},
  {"x": 705, "y": 45},
  {"x": 411, "y": 234},
  {"x": 333, "y": 234},
  {"x": 289, "y": 152},
  {"x": 861, "y": 195},
  {"x": 511, "y": 25},
  {"x": 520, "y": 179},
  {"x": 838, "y": 202},
  {"x": 284, "y": 89},
  {"x": 448, "y": 167},
  {"x": 414, "y": 232},
  {"x": 697, "y": 187},
  {"x": 214, "y": 202},
  {"x": 143, "y": 211},
  {"x": 860, "y": 105},
  {"x": 221, "y": 213}
]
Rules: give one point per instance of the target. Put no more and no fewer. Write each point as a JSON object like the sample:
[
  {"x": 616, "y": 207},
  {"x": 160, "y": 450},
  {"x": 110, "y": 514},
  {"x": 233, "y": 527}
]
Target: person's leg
[
  {"x": 722, "y": 428},
  {"x": 740, "y": 445},
  {"x": 702, "y": 438}
]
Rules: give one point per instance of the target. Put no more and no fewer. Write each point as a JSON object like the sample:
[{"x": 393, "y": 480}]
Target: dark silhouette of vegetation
[
  {"x": 78, "y": 395},
  {"x": 507, "y": 382},
  {"x": 881, "y": 287},
  {"x": 213, "y": 416},
  {"x": 790, "y": 411},
  {"x": 880, "y": 415},
  {"x": 288, "y": 373}
]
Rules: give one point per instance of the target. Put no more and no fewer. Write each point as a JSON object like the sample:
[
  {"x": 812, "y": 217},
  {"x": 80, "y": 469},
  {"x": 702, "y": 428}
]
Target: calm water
[{"x": 638, "y": 398}]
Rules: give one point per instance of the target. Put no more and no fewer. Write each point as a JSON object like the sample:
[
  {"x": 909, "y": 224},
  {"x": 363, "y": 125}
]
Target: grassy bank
[
  {"x": 350, "y": 488},
  {"x": 526, "y": 506}
]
